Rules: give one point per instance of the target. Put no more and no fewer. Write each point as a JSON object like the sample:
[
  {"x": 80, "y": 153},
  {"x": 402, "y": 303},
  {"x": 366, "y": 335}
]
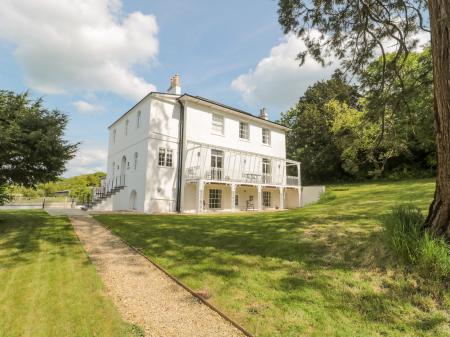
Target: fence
[{"x": 20, "y": 202}]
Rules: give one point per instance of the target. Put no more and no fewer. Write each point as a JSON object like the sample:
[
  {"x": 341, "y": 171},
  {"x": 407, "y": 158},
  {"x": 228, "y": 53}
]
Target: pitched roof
[{"x": 205, "y": 100}]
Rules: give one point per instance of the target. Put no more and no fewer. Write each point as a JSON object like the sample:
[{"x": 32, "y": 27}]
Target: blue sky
[{"x": 93, "y": 59}]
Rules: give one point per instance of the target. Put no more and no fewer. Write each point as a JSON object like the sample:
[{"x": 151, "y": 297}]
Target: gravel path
[{"x": 143, "y": 294}]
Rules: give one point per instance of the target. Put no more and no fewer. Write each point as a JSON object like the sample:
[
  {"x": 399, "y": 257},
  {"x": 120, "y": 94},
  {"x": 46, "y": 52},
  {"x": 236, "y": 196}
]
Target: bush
[{"x": 419, "y": 249}]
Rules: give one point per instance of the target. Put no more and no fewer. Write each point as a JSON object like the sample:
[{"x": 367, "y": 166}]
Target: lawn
[
  {"x": 318, "y": 271},
  {"x": 48, "y": 287}
]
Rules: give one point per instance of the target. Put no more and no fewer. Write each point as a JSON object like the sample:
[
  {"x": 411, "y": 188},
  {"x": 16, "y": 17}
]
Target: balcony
[{"x": 217, "y": 164}]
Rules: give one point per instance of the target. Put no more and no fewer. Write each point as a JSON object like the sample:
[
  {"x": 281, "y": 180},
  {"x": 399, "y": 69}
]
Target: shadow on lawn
[
  {"x": 25, "y": 233},
  {"x": 272, "y": 235}
]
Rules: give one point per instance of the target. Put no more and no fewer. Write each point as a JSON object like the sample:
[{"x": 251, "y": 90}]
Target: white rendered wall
[
  {"x": 134, "y": 141},
  {"x": 199, "y": 129},
  {"x": 161, "y": 181}
]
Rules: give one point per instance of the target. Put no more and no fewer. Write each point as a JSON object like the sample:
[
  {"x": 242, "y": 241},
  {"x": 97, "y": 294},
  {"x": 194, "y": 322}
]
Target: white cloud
[
  {"x": 84, "y": 45},
  {"x": 277, "y": 80},
  {"x": 89, "y": 159},
  {"x": 86, "y": 107}
]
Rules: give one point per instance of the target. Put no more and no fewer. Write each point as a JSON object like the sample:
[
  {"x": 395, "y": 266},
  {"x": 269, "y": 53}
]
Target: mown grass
[
  {"x": 48, "y": 287},
  {"x": 318, "y": 271}
]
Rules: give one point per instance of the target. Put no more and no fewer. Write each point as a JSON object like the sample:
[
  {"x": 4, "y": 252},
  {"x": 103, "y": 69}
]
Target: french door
[
  {"x": 266, "y": 171},
  {"x": 216, "y": 164}
]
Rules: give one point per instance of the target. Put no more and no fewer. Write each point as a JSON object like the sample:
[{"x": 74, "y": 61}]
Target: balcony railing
[
  {"x": 292, "y": 181},
  {"x": 238, "y": 166},
  {"x": 218, "y": 174}
]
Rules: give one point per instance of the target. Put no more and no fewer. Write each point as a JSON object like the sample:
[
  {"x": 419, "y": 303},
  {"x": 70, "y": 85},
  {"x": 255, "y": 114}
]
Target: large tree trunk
[{"x": 439, "y": 213}]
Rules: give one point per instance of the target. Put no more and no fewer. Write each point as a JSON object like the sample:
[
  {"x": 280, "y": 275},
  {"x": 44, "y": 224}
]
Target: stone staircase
[{"x": 106, "y": 191}]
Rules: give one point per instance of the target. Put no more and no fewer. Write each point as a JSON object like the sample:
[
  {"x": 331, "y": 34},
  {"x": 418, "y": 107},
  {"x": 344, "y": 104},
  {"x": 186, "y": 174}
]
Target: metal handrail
[{"x": 108, "y": 186}]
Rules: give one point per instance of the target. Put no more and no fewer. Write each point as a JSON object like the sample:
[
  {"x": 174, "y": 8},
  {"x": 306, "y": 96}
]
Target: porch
[{"x": 206, "y": 196}]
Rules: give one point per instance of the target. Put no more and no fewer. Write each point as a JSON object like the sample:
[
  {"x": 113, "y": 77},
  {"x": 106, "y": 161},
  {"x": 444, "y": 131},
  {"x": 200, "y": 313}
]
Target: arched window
[
  {"x": 114, "y": 136},
  {"x": 126, "y": 127},
  {"x": 135, "y": 160},
  {"x": 138, "y": 119}
]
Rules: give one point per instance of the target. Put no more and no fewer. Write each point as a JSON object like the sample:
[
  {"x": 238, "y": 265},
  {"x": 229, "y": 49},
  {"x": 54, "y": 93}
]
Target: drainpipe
[{"x": 180, "y": 157}]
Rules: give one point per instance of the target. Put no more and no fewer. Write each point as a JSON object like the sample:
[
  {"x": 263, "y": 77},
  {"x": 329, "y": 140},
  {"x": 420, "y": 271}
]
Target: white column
[
  {"x": 299, "y": 196},
  {"x": 233, "y": 196},
  {"x": 281, "y": 189},
  {"x": 259, "y": 205},
  {"x": 199, "y": 196}
]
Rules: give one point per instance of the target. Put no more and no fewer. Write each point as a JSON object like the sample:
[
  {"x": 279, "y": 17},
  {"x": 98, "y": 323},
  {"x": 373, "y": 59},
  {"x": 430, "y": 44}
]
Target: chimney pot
[
  {"x": 175, "y": 85},
  {"x": 263, "y": 113}
]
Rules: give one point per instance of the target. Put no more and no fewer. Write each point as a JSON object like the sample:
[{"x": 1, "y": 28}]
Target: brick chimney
[
  {"x": 175, "y": 85},
  {"x": 263, "y": 114}
]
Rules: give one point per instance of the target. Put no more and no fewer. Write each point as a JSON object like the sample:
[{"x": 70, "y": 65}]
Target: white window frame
[
  {"x": 218, "y": 124},
  {"x": 215, "y": 198},
  {"x": 266, "y": 198},
  {"x": 244, "y": 130},
  {"x": 162, "y": 157},
  {"x": 165, "y": 157},
  {"x": 266, "y": 136},
  {"x": 169, "y": 157},
  {"x": 138, "y": 119},
  {"x": 136, "y": 155}
]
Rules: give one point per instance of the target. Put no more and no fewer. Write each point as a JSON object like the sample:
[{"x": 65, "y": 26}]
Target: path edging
[{"x": 173, "y": 278}]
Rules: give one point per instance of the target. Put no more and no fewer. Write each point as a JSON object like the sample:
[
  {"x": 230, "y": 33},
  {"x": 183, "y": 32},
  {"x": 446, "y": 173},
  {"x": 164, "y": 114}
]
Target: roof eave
[
  {"x": 207, "y": 102},
  {"x": 143, "y": 99}
]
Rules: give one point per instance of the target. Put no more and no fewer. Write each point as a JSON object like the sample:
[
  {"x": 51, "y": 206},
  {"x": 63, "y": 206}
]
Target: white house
[{"x": 178, "y": 152}]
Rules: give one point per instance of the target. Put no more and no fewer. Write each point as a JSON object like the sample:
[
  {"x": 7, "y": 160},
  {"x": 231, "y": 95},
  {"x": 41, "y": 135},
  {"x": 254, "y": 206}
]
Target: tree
[
  {"x": 311, "y": 139},
  {"x": 32, "y": 147},
  {"x": 409, "y": 103},
  {"x": 355, "y": 136},
  {"x": 357, "y": 31}
]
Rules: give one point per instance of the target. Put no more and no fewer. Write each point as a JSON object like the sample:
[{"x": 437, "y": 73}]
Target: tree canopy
[
  {"x": 336, "y": 127},
  {"x": 356, "y": 32},
  {"x": 32, "y": 145},
  {"x": 79, "y": 187},
  {"x": 311, "y": 140}
]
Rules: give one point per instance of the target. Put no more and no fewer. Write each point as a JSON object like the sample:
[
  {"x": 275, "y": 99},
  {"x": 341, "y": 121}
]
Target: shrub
[{"x": 419, "y": 249}]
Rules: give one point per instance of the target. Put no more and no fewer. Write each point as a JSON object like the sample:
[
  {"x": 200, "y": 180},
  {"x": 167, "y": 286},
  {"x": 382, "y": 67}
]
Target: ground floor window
[
  {"x": 267, "y": 198},
  {"x": 215, "y": 198},
  {"x": 236, "y": 200},
  {"x": 165, "y": 157}
]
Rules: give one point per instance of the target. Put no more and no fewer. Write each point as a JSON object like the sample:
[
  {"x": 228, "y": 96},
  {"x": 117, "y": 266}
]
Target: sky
[{"x": 94, "y": 59}]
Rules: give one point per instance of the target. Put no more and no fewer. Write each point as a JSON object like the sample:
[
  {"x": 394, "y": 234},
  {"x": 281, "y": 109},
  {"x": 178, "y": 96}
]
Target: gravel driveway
[{"x": 143, "y": 294}]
